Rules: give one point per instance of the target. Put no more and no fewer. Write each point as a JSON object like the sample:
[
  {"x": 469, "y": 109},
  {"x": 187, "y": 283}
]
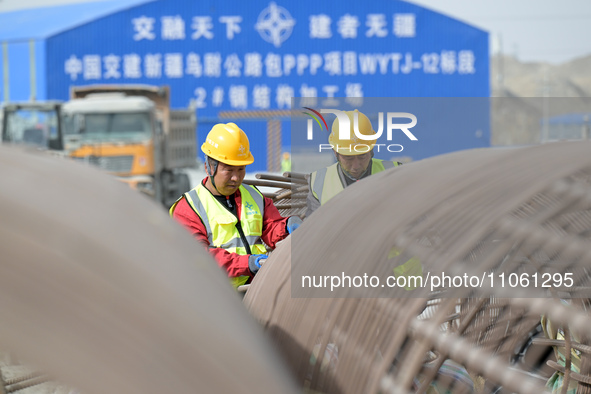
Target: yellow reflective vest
[
  {"x": 326, "y": 183},
  {"x": 221, "y": 223}
]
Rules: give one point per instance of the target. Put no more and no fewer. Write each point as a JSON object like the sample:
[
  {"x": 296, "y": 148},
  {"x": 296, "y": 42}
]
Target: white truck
[{"x": 32, "y": 123}]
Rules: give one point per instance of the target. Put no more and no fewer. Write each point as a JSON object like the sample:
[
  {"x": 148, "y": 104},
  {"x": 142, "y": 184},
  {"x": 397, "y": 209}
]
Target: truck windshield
[
  {"x": 108, "y": 127},
  {"x": 31, "y": 127}
]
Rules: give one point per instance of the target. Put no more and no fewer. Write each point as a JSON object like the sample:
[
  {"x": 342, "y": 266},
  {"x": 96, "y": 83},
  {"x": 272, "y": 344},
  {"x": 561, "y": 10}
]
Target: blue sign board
[{"x": 258, "y": 55}]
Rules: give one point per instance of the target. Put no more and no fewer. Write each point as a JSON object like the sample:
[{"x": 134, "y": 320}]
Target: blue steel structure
[
  {"x": 24, "y": 35},
  {"x": 241, "y": 56}
]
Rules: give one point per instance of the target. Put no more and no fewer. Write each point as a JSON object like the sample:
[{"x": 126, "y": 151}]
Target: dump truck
[
  {"x": 32, "y": 123},
  {"x": 131, "y": 132}
]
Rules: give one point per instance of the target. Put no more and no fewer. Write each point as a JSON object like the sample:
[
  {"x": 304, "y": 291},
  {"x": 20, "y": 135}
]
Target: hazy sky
[{"x": 534, "y": 30}]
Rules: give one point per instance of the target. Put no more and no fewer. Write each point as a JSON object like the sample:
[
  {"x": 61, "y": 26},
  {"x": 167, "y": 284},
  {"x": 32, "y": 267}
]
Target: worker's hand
[
  {"x": 293, "y": 223},
  {"x": 255, "y": 261}
]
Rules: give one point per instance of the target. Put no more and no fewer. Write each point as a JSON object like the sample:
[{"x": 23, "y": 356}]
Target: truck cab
[
  {"x": 35, "y": 124},
  {"x": 130, "y": 132},
  {"x": 118, "y": 134}
]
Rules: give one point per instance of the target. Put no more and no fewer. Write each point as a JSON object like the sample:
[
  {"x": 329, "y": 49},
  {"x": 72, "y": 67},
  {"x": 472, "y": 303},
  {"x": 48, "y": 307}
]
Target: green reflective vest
[
  {"x": 412, "y": 269},
  {"x": 286, "y": 165},
  {"x": 221, "y": 223},
  {"x": 326, "y": 182}
]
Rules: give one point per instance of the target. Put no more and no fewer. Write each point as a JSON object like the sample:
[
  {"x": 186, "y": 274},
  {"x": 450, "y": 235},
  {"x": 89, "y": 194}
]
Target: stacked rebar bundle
[
  {"x": 288, "y": 193},
  {"x": 516, "y": 222}
]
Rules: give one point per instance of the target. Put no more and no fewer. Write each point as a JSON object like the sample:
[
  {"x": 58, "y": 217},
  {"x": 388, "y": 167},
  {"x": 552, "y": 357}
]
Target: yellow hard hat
[
  {"x": 354, "y": 146},
  {"x": 228, "y": 144}
]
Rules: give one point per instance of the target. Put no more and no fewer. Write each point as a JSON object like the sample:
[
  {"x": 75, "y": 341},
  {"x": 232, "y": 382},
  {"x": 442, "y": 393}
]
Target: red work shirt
[{"x": 274, "y": 230}]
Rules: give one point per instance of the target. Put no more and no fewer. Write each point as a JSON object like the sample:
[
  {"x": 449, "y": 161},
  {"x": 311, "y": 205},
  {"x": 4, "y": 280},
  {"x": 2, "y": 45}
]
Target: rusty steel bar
[
  {"x": 2, "y": 385},
  {"x": 20, "y": 379},
  {"x": 273, "y": 145},
  {"x": 291, "y": 205},
  {"x": 27, "y": 383},
  {"x": 290, "y": 194},
  {"x": 295, "y": 175},
  {"x": 254, "y": 114},
  {"x": 257, "y": 182},
  {"x": 286, "y": 179}
]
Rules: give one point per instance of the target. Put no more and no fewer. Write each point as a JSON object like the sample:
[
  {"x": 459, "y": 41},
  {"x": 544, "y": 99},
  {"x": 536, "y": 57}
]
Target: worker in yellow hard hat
[
  {"x": 286, "y": 162},
  {"x": 234, "y": 221},
  {"x": 354, "y": 162}
]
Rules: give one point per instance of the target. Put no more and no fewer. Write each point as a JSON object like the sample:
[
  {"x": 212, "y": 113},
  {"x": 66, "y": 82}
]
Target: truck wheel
[
  {"x": 184, "y": 183},
  {"x": 174, "y": 184},
  {"x": 169, "y": 188},
  {"x": 166, "y": 195}
]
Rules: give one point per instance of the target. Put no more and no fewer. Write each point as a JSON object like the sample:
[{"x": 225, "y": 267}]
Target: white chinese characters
[
  {"x": 271, "y": 65},
  {"x": 227, "y": 60},
  {"x": 275, "y": 25}
]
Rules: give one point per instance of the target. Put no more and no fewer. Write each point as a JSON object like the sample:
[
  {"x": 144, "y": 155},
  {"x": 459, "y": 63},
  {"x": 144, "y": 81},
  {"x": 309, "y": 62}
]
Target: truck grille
[{"x": 109, "y": 163}]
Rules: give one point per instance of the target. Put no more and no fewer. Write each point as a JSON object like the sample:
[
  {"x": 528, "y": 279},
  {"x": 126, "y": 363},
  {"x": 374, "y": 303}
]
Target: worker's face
[
  {"x": 355, "y": 165},
  {"x": 229, "y": 178}
]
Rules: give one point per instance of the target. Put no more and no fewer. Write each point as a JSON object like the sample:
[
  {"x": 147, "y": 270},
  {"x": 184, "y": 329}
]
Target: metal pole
[
  {"x": 5, "y": 68},
  {"x": 273, "y": 145},
  {"x": 277, "y": 145},
  {"x": 545, "y": 103},
  {"x": 32, "y": 70}
]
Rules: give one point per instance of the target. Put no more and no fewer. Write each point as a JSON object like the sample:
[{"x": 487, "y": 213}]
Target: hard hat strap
[{"x": 211, "y": 172}]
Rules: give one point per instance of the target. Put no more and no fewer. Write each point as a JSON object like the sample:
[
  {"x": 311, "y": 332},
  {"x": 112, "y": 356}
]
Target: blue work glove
[
  {"x": 293, "y": 223},
  {"x": 255, "y": 261}
]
